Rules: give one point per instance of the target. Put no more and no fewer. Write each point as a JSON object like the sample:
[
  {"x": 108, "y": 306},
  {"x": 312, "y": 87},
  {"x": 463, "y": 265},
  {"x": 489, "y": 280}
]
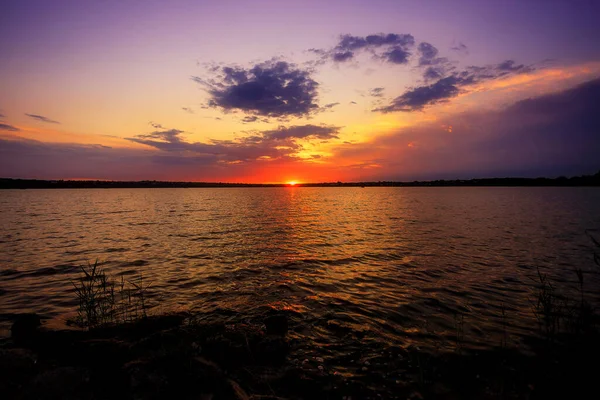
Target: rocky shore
[{"x": 175, "y": 357}]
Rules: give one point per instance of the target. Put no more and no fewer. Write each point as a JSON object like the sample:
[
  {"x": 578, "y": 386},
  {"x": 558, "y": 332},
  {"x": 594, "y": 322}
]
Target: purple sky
[{"x": 272, "y": 91}]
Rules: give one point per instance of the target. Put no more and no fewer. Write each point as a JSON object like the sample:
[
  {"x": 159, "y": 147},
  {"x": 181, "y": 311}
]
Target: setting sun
[{"x": 292, "y": 183}]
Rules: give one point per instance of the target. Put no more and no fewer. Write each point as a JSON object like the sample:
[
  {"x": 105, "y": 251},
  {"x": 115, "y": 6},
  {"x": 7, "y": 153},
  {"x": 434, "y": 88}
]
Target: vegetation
[
  {"x": 559, "y": 312},
  {"x": 102, "y": 301}
]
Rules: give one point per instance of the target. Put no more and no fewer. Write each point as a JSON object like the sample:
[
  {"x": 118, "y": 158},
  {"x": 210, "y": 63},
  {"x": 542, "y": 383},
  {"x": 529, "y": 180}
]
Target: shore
[{"x": 174, "y": 356}]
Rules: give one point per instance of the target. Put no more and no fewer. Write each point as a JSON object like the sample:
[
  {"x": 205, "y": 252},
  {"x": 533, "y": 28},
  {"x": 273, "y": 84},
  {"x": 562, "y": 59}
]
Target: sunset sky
[{"x": 310, "y": 91}]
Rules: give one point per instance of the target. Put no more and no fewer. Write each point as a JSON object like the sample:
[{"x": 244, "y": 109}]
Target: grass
[
  {"x": 561, "y": 313},
  {"x": 103, "y": 301}
]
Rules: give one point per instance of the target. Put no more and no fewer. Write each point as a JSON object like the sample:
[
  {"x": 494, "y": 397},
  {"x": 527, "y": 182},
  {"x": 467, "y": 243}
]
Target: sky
[{"x": 271, "y": 91}]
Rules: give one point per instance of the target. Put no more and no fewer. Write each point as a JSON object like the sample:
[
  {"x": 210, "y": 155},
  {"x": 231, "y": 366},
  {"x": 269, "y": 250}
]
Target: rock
[
  {"x": 24, "y": 330},
  {"x": 61, "y": 383},
  {"x": 271, "y": 350},
  {"x": 227, "y": 350},
  {"x": 173, "y": 341},
  {"x": 415, "y": 396},
  {"x": 15, "y": 360},
  {"x": 237, "y": 391},
  {"x": 181, "y": 378},
  {"x": 17, "y": 367},
  {"x": 276, "y": 325}
]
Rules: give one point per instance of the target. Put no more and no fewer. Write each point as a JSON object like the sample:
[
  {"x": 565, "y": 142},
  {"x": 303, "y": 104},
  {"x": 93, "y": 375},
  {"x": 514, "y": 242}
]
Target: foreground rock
[{"x": 170, "y": 357}]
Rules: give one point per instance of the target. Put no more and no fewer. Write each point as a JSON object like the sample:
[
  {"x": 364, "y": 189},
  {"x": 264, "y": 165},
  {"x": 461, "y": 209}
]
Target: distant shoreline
[{"x": 9, "y": 183}]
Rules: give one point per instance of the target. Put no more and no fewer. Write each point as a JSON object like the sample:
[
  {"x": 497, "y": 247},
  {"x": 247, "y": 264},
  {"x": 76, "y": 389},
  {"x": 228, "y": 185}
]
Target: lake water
[{"x": 392, "y": 264}]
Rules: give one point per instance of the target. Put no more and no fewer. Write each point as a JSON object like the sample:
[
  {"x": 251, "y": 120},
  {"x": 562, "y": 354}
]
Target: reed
[
  {"x": 561, "y": 312},
  {"x": 103, "y": 301}
]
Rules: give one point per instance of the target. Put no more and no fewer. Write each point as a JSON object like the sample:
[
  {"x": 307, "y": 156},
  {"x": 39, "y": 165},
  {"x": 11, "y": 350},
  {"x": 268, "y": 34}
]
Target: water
[{"x": 392, "y": 265}]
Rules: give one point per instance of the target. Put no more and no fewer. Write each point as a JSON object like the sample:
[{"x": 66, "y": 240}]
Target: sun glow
[{"x": 292, "y": 183}]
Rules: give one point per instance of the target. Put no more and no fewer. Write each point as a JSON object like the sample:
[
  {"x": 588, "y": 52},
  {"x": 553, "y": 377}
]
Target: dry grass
[{"x": 102, "y": 301}]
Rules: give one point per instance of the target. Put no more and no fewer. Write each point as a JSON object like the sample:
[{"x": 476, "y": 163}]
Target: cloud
[
  {"x": 376, "y": 92},
  {"x": 155, "y": 125},
  {"x": 24, "y": 158},
  {"x": 171, "y": 135},
  {"x": 434, "y": 67},
  {"x": 274, "y": 144},
  {"x": 42, "y": 118},
  {"x": 329, "y": 106},
  {"x": 511, "y": 66},
  {"x": 427, "y": 53},
  {"x": 392, "y": 47},
  {"x": 460, "y": 48},
  {"x": 303, "y": 131},
  {"x": 396, "y": 55},
  {"x": 2, "y": 115},
  {"x": 6, "y": 127},
  {"x": 249, "y": 118},
  {"x": 419, "y": 97},
  {"x": 549, "y": 135},
  {"x": 445, "y": 88},
  {"x": 341, "y": 56},
  {"x": 271, "y": 89},
  {"x": 188, "y": 110}
]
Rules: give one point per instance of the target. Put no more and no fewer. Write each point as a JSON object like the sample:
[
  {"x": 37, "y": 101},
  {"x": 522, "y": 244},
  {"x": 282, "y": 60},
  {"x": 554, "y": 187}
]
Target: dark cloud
[
  {"x": 187, "y": 110},
  {"x": 460, "y": 48},
  {"x": 171, "y": 135},
  {"x": 303, "y": 131},
  {"x": 550, "y": 135},
  {"x": 376, "y": 92},
  {"x": 434, "y": 67},
  {"x": 249, "y": 118},
  {"x": 427, "y": 52},
  {"x": 353, "y": 43},
  {"x": 2, "y": 115},
  {"x": 272, "y": 89},
  {"x": 353, "y": 102},
  {"x": 156, "y": 125},
  {"x": 341, "y": 56},
  {"x": 24, "y": 158},
  {"x": 42, "y": 118},
  {"x": 329, "y": 106},
  {"x": 511, "y": 66},
  {"x": 419, "y": 97},
  {"x": 6, "y": 127},
  {"x": 319, "y": 52},
  {"x": 274, "y": 144},
  {"x": 445, "y": 88},
  {"x": 433, "y": 73},
  {"x": 396, "y": 55},
  {"x": 393, "y": 48}
]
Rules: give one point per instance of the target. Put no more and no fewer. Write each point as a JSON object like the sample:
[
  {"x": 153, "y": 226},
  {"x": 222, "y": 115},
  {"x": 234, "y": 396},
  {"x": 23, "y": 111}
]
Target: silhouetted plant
[
  {"x": 459, "y": 322},
  {"x": 504, "y": 340},
  {"x": 140, "y": 293},
  {"x": 96, "y": 297},
  {"x": 556, "y": 312},
  {"x": 596, "y": 243},
  {"x": 100, "y": 304}
]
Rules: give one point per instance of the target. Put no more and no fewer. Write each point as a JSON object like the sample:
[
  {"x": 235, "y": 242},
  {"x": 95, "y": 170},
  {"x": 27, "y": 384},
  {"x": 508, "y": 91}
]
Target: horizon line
[{"x": 296, "y": 182}]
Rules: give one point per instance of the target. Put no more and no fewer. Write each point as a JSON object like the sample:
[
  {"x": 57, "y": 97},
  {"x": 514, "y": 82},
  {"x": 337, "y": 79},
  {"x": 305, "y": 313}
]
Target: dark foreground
[{"x": 174, "y": 357}]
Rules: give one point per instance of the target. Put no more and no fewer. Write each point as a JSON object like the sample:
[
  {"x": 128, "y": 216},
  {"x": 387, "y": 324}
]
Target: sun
[{"x": 292, "y": 183}]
